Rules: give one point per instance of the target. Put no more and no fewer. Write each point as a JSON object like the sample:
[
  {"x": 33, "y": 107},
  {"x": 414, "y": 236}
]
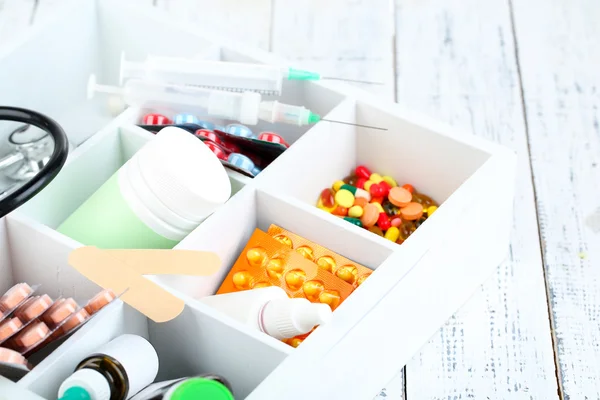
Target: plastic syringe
[
  {"x": 245, "y": 107},
  {"x": 221, "y": 75}
]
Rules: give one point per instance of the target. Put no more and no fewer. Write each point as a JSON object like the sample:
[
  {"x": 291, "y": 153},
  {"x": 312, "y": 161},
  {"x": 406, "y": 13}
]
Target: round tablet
[
  {"x": 412, "y": 211},
  {"x": 399, "y": 196}
]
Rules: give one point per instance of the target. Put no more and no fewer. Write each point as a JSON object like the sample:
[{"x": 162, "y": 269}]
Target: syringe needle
[
  {"x": 353, "y": 124},
  {"x": 352, "y": 80}
]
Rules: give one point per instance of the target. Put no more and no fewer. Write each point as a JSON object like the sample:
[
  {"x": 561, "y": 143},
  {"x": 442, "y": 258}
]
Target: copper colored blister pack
[
  {"x": 327, "y": 260},
  {"x": 267, "y": 262}
]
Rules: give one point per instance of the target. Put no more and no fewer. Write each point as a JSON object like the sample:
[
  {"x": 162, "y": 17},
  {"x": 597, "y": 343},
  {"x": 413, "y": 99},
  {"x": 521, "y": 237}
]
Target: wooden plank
[
  {"x": 15, "y": 17},
  {"x": 340, "y": 38},
  {"x": 559, "y": 54},
  {"x": 456, "y": 61},
  {"x": 245, "y": 21}
]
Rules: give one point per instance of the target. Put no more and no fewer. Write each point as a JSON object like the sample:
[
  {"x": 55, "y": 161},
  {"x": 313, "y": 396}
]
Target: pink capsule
[
  {"x": 207, "y": 133},
  {"x": 273, "y": 138},
  {"x": 396, "y": 221},
  {"x": 156, "y": 119}
]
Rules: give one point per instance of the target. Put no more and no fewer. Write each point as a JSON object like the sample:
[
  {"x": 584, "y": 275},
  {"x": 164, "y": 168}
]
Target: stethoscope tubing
[{"x": 58, "y": 158}]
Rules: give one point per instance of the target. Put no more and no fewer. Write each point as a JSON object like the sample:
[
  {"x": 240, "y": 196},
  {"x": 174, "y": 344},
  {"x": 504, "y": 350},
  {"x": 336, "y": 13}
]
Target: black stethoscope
[{"x": 50, "y": 166}]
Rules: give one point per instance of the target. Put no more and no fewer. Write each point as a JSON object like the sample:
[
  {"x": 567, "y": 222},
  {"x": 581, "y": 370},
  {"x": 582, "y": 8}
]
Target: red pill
[
  {"x": 385, "y": 188},
  {"x": 230, "y": 147},
  {"x": 272, "y": 138},
  {"x": 327, "y": 198},
  {"x": 409, "y": 187},
  {"x": 341, "y": 211},
  {"x": 377, "y": 200},
  {"x": 156, "y": 119},
  {"x": 363, "y": 172},
  {"x": 360, "y": 183},
  {"x": 383, "y": 222},
  {"x": 377, "y": 190},
  {"x": 215, "y": 148},
  {"x": 207, "y": 133}
]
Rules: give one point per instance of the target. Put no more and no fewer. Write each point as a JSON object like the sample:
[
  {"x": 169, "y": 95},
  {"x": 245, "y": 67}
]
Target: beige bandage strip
[{"x": 123, "y": 270}]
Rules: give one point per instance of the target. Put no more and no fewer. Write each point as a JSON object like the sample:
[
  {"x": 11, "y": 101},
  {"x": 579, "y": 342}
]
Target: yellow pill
[
  {"x": 312, "y": 289},
  {"x": 295, "y": 278},
  {"x": 390, "y": 181},
  {"x": 330, "y": 297},
  {"x": 379, "y": 207},
  {"x": 355, "y": 212},
  {"x": 325, "y": 208},
  {"x": 376, "y": 178},
  {"x": 431, "y": 210},
  {"x": 337, "y": 185},
  {"x": 306, "y": 252},
  {"x": 392, "y": 234},
  {"x": 275, "y": 268},
  {"x": 347, "y": 273},
  {"x": 376, "y": 230},
  {"x": 294, "y": 342},
  {"x": 257, "y": 257},
  {"x": 344, "y": 198},
  {"x": 362, "y": 278},
  {"x": 368, "y": 184},
  {"x": 327, "y": 263},
  {"x": 261, "y": 284},
  {"x": 283, "y": 240},
  {"x": 242, "y": 280}
]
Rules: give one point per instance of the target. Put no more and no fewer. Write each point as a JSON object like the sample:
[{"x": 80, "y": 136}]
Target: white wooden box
[{"x": 416, "y": 286}]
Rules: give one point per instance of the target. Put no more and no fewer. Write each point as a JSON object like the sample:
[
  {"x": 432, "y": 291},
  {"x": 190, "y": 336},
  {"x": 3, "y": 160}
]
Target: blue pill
[
  {"x": 185, "y": 119},
  {"x": 255, "y": 171},
  {"x": 207, "y": 125},
  {"x": 239, "y": 130},
  {"x": 241, "y": 161}
]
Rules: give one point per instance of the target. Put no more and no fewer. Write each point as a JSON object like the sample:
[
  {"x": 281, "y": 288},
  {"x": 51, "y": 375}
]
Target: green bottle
[
  {"x": 204, "y": 387},
  {"x": 156, "y": 199}
]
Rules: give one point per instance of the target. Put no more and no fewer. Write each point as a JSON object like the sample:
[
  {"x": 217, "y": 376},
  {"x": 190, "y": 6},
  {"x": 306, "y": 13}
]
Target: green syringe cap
[
  {"x": 200, "y": 388},
  {"x": 313, "y": 118},
  {"x": 76, "y": 393},
  {"x": 302, "y": 75}
]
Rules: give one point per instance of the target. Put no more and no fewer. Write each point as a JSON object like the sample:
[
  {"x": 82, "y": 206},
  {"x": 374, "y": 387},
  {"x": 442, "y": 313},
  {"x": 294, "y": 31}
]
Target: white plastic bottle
[
  {"x": 156, "y": 199},
  {"x": 271, "y": 311}
]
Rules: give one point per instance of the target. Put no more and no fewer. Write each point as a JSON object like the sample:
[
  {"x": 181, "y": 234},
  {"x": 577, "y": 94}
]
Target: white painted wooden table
[{"x": 525, "y": 73}]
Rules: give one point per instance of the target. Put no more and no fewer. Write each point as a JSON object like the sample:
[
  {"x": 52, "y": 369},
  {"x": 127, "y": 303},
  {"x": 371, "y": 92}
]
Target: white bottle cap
[
  {"x": 286, "y": 318},
  {"x": 137, "y": 356},
  {"x": 174, "y": 182},
  {"x": 89, "y": 380}
]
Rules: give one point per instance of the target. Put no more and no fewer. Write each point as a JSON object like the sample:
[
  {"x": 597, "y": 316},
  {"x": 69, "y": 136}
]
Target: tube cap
[
  {"x": 76, "y": 393},
  {"x": 85, "y": 381},
  {"x": 200, "y": 388},
  {"x": 286, "y": 318}
]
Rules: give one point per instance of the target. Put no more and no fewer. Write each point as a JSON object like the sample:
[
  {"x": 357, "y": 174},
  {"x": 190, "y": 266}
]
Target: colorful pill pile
[{"x": 377, "y": 203}]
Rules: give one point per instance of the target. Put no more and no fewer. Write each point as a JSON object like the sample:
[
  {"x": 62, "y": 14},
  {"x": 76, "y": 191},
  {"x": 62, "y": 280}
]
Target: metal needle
[
  {"x": 352, "y": 80},
  {"x": 353, "y": 124}
]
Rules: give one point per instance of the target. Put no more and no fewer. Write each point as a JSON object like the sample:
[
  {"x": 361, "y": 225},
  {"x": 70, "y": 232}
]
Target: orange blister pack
[
  {"x": 267, "y": 262},
  {"x": 327, "y": 260}
]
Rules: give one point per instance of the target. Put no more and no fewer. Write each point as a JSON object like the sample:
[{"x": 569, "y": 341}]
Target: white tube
[
  {"x": 220, "y": 75},
  {"x": 271, "y": 311}
]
